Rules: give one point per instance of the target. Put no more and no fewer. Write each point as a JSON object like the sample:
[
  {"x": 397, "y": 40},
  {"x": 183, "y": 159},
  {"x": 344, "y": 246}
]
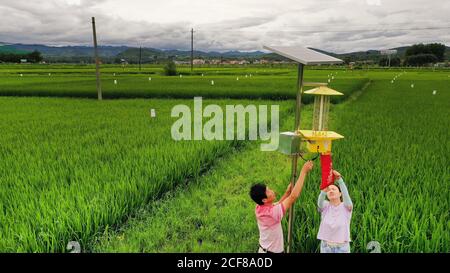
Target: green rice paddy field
[{"x": 108, "y": 175}]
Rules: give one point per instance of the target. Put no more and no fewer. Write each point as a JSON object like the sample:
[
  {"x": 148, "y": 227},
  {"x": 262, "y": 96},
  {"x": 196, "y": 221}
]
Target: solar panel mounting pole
[
  {"x": 294, "y": 159},
  {"x": 192, "y": 49},
  {"x": 140, "y": 57},
  {"x": 97, "y": 62}
]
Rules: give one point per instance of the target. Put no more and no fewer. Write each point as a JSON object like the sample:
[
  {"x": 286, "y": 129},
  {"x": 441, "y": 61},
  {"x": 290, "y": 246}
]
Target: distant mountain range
[
  {"x": 131, "y": 54},
  {"x": 374, "y": 55},
  {"x": 66, "y": 51},
  {"x": 120, "y": 52}
]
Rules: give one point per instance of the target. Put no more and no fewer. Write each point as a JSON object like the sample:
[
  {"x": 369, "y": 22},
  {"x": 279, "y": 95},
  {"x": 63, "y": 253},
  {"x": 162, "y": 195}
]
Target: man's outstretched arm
[
  {"x": 295, "y": 193},
  {"x": 286, "y": 194}
]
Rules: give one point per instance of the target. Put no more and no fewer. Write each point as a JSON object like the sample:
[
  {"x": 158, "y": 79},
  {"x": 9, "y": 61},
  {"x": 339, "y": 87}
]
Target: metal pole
[
  {"x": 295, "y": 157},
  {"x": 97, "y": 62},
  {"x": 140, "y": 56},
  {"x": 192, "y": 49}
]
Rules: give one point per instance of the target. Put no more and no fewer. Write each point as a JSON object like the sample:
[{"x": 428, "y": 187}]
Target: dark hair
[
  {"x": 258, "y": 193},
  {"x": 337, "y": 186}
]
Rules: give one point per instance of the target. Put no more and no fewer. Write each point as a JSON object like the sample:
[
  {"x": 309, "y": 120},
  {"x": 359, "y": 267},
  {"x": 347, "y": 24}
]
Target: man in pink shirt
[{"x": 270, "y": 214}]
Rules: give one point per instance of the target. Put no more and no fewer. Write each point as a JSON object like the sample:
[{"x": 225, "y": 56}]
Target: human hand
[
  {"x": 336, "y": 174},
  {"x": 307, "y": 166}
]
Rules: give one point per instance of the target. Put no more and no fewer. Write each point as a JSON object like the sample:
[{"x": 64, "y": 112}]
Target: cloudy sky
[{"x": 335, "y": 25}]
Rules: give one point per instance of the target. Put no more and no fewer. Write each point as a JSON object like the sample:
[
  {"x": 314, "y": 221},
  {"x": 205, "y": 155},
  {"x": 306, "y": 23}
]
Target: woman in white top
[{"x": 334, "y": 231}]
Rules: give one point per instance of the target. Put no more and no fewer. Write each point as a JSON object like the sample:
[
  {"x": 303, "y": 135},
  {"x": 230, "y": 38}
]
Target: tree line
[
  {"x": 418, "y": 55},
  {"x": 32, "y": 57}
]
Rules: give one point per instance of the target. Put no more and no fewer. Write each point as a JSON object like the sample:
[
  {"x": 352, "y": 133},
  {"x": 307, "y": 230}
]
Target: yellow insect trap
[{"x": 319, "y": 139}]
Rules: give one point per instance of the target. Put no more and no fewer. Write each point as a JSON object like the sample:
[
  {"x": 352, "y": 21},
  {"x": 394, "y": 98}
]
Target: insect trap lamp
[{"x": 318, "y": 140}]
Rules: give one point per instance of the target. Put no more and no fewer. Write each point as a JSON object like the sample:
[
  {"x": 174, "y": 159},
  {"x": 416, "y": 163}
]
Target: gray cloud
[{"x": 340, "y": 25}]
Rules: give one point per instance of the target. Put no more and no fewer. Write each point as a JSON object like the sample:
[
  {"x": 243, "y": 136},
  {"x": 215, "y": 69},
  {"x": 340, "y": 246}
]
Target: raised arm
[
  {"x": 321, "y": 200},
  {"x": 295, "y": 193},
  {"x": 345, "y": 195},
  {"x": 286, "y": 193}
]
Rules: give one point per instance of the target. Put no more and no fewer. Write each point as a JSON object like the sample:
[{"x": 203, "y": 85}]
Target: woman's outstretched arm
[
  {"x": 321, "y": 200},
  {"x": 345, "y": 195}
]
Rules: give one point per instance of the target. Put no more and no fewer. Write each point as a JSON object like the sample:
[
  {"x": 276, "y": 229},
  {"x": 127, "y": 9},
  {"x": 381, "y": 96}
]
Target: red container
[{"x": 327, "y": 170}]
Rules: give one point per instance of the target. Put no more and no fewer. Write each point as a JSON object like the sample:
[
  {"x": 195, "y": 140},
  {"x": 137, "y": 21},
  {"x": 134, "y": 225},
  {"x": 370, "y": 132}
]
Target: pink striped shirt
[{"x": 269, "y": 224}]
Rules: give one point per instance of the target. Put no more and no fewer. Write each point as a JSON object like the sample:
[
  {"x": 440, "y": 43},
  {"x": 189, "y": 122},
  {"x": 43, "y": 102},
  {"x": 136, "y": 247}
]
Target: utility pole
[
  {"x": 192, "y": 49},
  {"x": 140, "y": 56},
  {"x": 294, "y": 158},
  {"x": 97, "y": 62}
]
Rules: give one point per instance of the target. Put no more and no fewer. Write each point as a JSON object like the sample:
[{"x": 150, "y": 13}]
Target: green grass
[
  {"x": 262, "y": 84},
  {"x": 145, "y": 69},
  {"x": 393, "y": 159},
  {"x": 78, "y": 169},
  {"x": 71, "y": 167},
  {"x": 215, "y": 214}
]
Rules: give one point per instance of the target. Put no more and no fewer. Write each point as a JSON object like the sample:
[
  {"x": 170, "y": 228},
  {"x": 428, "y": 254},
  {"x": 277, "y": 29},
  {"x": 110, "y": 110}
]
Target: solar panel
[{"x": 303, "y": 55}]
